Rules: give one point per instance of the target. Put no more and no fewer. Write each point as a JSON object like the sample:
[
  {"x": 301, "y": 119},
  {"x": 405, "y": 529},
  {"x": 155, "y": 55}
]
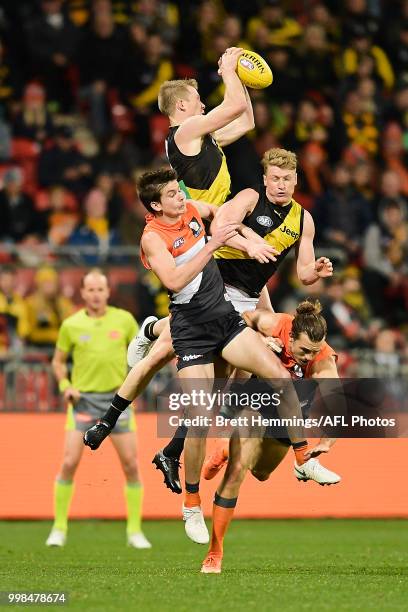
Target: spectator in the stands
[
  {"x": 46, "y": 309},
  {"x": 341, "y": 215},
  {"x": 18, "y": 217},
  {"x": 13, "y": 312},
  {"x": 107, "y": 185},
  {"x": 386, "y": 262},
  {"x": 101, "y": 56},
  {"x": 281, "y": 29},
  {"x": 94, "y": 232},
  {"x": 34, "y": 122},
  {"x": 62, "y": 215},
  {"x": 63, "y": 164},
  {"x": 52, "y": 41},
  {"x": 361, "y": 45}
]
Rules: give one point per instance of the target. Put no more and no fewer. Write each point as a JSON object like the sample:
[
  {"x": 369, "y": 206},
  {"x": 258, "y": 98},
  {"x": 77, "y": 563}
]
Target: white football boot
[
  {"x": 195, "y": 526},
  {"x": 313, "y": 470},
  {"x": 138, "y": 540},
  {"x": 56, "y": 538}
]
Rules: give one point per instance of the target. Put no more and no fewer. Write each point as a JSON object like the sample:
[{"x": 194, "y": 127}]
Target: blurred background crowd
[{"x": 79, "y": 122}]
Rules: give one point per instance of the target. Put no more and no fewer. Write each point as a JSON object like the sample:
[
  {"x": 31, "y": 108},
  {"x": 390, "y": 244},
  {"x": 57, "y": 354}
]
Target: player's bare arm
[
  {"x": 60, "y": 369},
  {"x": 240, "y": 126},
  {"x": 326, "y": 369},
  {"x": 189, "y": 134},
  {"x": 175, "y": 278},
  {"x": 235, "y": 211},
  {"x": 309, "y": 269}
]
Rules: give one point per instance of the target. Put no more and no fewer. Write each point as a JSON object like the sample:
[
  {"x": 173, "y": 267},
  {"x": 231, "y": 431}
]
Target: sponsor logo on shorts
[
  {"x": 178, "y": 242},
  {"x": 195, "y": 227},
  {"x": 245, "y": 63},
  {"x": 191, "y": 357},
  {"x": 264, "y": 220}
]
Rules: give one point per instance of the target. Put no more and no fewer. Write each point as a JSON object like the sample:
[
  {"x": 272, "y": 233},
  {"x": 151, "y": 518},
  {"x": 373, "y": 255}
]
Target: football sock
[
  {"x": 148, "y": 331},
  {"x": 192, "y": 496},
  {"x": 134, "y": 501},
  {"x": 118, "y": 405},
  {"x": 299, "y": 449},
  {"x": 63, "y": 492},
  {"x": 176, "y": 445},
  {"x": 223, "y": 510}
]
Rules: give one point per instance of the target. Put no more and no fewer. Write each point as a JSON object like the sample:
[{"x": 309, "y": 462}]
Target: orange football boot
[
  {"x": 212, "y": 563},
  {"x": 216, "y": 461}
]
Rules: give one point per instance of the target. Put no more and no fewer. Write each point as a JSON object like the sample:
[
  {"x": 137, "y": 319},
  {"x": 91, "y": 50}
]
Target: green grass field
[{"x": 268, "y": 565}]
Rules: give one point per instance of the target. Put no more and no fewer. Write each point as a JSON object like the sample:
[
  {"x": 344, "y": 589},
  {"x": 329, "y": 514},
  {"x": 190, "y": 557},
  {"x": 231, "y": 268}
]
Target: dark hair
[
  {"x": 309, "y": 321},
  {"x": 151, "y": 184}
]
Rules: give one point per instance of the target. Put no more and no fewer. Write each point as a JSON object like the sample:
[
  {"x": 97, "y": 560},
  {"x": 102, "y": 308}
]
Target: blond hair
[
  {"x": 280, "y": 158},
  {"x": 171, "y": 91}
]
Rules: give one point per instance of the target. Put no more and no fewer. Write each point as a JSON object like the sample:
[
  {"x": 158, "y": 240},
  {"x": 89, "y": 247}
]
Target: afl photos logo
[{"x": 264, "y": 220}]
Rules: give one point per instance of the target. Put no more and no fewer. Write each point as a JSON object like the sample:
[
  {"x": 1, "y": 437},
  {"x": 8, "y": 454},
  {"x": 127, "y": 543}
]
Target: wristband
[{"x": 63, "y": 384}]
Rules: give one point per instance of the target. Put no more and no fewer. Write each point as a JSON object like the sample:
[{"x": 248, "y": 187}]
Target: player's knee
[
  {"x": 69, "y": 466},
  {"x": 261, "y": 476},
  {"x": 130, "y": 468},
  {"x": 236, "y": 473}
]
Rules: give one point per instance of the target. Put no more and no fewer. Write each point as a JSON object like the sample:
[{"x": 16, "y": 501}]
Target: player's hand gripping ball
[{"x": 253, "y": 70}]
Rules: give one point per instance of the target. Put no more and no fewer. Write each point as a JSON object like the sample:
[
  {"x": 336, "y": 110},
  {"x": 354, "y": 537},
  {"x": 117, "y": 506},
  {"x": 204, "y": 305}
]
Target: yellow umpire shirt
[{"x": 98, "y": 347}]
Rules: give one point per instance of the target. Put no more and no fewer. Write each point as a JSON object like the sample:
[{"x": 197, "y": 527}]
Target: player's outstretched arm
[
  {"x": 175, "y": 278},
  {"x": 233, "y": 105},
  {"x": 309, "y": 269},
  {"x": 240, "y": 126}
]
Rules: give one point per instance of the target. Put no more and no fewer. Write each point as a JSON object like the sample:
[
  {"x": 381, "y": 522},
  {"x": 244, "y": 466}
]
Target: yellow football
[{"x": 253, "y": 70}]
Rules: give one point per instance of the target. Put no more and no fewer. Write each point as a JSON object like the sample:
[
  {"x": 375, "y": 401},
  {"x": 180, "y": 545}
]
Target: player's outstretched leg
[
  {"x": 169, "y": 467},
  {"x": 314, "y": 470},
  {"x": 139, "y": 346}
]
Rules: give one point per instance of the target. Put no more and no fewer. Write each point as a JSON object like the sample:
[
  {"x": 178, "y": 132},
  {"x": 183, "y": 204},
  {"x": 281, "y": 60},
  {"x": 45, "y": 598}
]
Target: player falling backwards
[
  {"x": 203, "y": 322},
  {"x": 305, "y": 354}
]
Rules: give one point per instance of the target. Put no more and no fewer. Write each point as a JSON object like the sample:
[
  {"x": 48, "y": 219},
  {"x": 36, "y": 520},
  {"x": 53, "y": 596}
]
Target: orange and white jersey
[
  {"x": 282, "y": 330},
  {"x": 203, "y": 298}
]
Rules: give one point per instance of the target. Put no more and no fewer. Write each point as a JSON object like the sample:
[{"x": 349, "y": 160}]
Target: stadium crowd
[{"x": 79, "y": 122}]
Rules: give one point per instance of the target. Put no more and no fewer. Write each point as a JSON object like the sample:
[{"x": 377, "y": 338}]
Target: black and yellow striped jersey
[
  {"x": 280, "y": 226},
  {"x": 206, "y": 174}
]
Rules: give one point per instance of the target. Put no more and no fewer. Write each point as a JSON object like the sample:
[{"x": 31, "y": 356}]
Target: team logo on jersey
[
  {"x": 297, "y": 370},
  {"x": 178, "y": 242},
  {"x": 114, "y": 334},
  {"x": 195, "y": 227},
  {"x": 264, "y": 220},
  {"x": 84, "y": 337}
]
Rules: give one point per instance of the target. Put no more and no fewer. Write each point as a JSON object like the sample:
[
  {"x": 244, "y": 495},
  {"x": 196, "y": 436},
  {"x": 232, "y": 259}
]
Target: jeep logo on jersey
[
  {"x": 265, "y": 221},
  {"x": 195, "y": 227},
  {"x": 177, "y": 243},
  {"x": 289, "y": 232}
]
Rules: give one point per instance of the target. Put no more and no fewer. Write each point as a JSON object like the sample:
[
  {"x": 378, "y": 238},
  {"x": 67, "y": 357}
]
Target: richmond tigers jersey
[
  {"x": 206, "y": 174},
  {"x": 203, "y": 299},
  {"x": 280, "y": 226}
]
